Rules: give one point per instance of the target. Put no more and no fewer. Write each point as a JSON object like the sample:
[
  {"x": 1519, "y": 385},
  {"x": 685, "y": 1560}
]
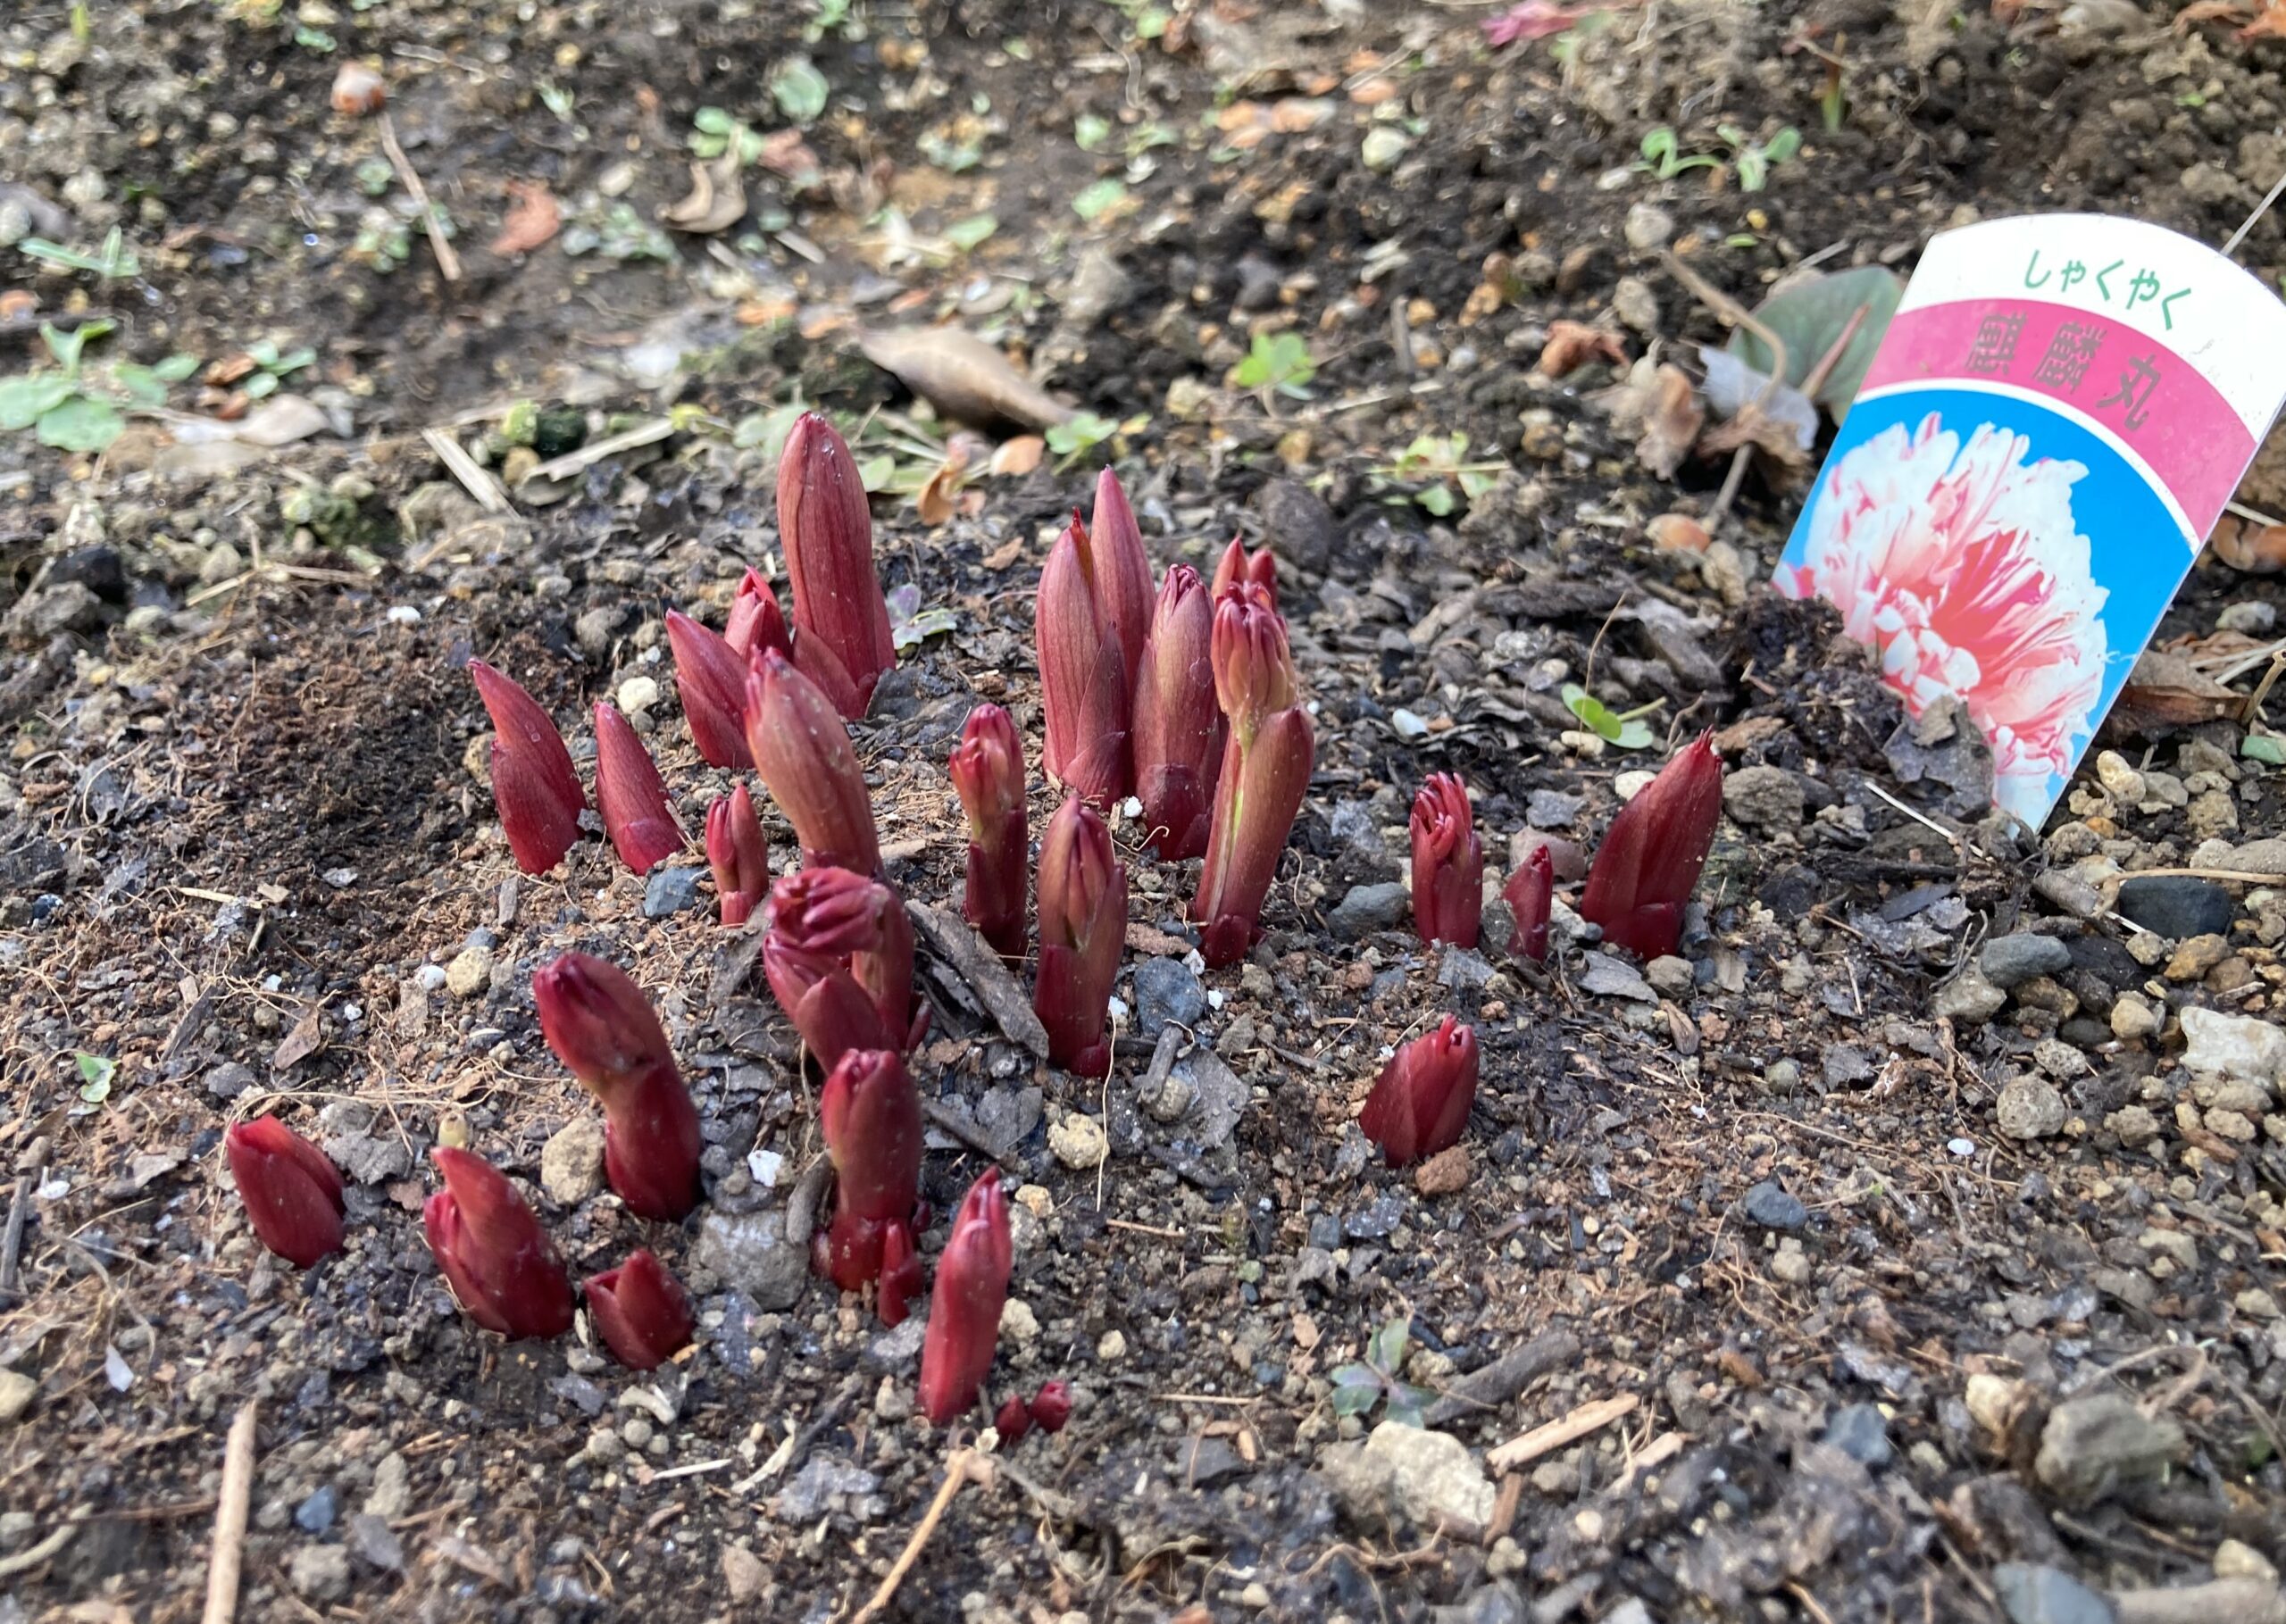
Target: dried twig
[
  {"x": 477, "y": 482},
  {"x": 1592, "y": 1416},
  {"x": 962, "y": 1468},
  {"x": 230, "y": 1518},
  {"x": 1737, "y": 315},
  {"x": 24, "y": 1561},
  {"x": 447, "y": 261},
  {"x": 12, "y": 1241}
]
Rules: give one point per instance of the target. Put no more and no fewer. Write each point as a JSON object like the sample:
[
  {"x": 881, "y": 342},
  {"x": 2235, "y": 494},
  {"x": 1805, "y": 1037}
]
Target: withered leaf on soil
[
  {"x": 1003, "y": 998},
  {"x": 1571, "y": 344},
  {"x": 2257, "y": 549},
  {"x": 530, "y": 222},
  {"x": 935, "y": 499},
  {"x": 2166, "y": 690},
  {"x": 1658, "y": 405},
  {"x": 1020, "y": 455},
  {"x": 1776, "y": 440},
  {"x": 962, "y": 376},
  {"x": 717, "y": 200},
  {"x": 306, "y": 1038}
]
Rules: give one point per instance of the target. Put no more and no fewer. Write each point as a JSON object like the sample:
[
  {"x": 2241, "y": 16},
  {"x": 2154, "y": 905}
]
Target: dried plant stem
[
  {"x": 447, "y": 261},
  {"x": 230, "y": 1520},
  {"x": 962, "y": 1468}
]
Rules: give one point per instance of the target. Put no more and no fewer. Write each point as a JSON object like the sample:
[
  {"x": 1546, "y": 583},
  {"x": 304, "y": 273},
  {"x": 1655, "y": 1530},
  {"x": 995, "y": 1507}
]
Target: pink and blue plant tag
[{"x": 2057, "y": 415}]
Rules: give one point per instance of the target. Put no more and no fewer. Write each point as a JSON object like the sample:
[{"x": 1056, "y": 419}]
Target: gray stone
[
  {"x": 315, "y": 1514},
  {"x": 2029, "y": 1108},
  {"x": 1552, "y": 808},
  {"x": 2177, "y": 906},
  {"x": 1464, "y": 970},
  {"x": 45, "y": 610},
  {"x": 1167, "y": 992},
  {"x": 670, "y": 891},
  {"x": 1297, "y": 524},
  {"x": 372, "y": 1538},
  {"x": 17, "y": 1391},
  {"x": 1607, "y": 977},
  {"x": 318, "y": 1573},
  {"x": 1861, "y": 1432},
  {"x": 1764, "y": 797},
  {"x": 391, "y": 1495},
  {"x": 1413, "y": 1475},
  {"x": 2095, "y": 1442},
  {"x": 2264, "y": 856},
  {"x": 1218, "y": 1095},
  {"x": 1669, "y": 975},
  {"x": 2009, "y": 960},
  {"x": 1648, "y": 227},
  {"x": 1368, "y": 908},
  {"x": 230, "y": 1079},
  {"x": 2233, "y": 1046},
  {"x": 1493, "y": 1604},
  {"x": 571, "y": 1162},
  {"x": 1968, "y": 999},
  {"x": 749, "y": 1251},
  {"x": 2048, "y": 1596},
  {"x": 1773, "y": 1209},
  {"x": 821, "y": 1481}
]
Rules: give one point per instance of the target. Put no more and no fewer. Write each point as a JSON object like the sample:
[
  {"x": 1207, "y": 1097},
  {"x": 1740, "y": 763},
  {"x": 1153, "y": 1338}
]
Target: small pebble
[{"x": 469, "y": 972}]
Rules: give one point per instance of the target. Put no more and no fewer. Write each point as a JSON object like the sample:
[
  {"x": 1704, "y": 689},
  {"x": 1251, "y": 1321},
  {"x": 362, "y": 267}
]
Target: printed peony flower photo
[{"x": 1963, "y": 568}]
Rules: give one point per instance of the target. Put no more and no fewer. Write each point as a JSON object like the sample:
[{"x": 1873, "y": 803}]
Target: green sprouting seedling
[
  {"x": 799, "y": 90},
  {"x": 1624, "y": 728},
  {"x": 911, "y": 625},
  {"x": 1357, "y": 1387},
  {"x": 113, "y": 261},
  {"x": 1279, "y": 363},
  {"x": 713, "y": 132},
  {"x": 832, "y": 17},
  {"x": 1436, "y": 463},
  {"x": 1078, "y": 435},
  {"x": 1754, "y": 161},
  {"x": 271, "y": 368},
  {"x": 76, "y": 407},
  {"x": 1663, "y": 157}
]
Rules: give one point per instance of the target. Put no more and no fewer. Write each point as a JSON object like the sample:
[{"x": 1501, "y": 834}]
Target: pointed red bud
[
  {"x": 1012, "y": 1421},
  {"x": 988, "y": 771},
  {"x": 533, "y": 786},
  {"x": 1256, "y": 799},
  {"x": 1179, "y": 726},
  {"x": 870, "y": 1113},
  {"x": 711, "y": 676},
  {"x": 738, "y": 854},
  {"x": 641, "y": 1310},
  {"x": 1123, "y": 571},
  {"x": 1448, "y": 863},
  {"x": 827, "y": 531},
  {"x": 1083, "y": 927},
  {"x": 1083, "y": 673},
  {"x": 604, "y": 1031},
  {"x": 804, "y": 754},
  {"x": 832, "y": 1013},
  {"x": 292, "y": 1192},
  {"x": 500, "y": 1263},
  {"x": 1051, "y": 1406},
  {"x": 1254, "y": 668},
  {"x": 1651, "y": 856},
  {"x": 1237, "y": 565},
  {"x": 833, "y": 913},
  {"x": 1531, "y": 896},
  {"x": 631, "y": 796},
  {"x": 755, "y": 621},
  {"x": 965, "y": 1313},
  {"x": 1421, "y": 1103}
]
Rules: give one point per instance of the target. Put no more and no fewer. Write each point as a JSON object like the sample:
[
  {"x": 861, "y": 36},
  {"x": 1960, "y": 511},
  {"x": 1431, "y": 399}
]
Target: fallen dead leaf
[
  {"x": 306, "y": 1038},
  {"x": 784, "y": 152},
  {"x": 1660, "y": 407},
  {"x": 531, "y": 221},
  {"x": 228, "y": 369},
  {"x": 962, "y": 376},
  {"x": 1001, "y": 557},
  {"x": 935, "y": 499},
  {"x": 717, "y": 199},
  {"x": 1571, "y": 344},
  {"x": 1778, "y": 442},
  {"x": 1018, "y": 457},
  {"x": 2257, "y": 549},
  {"x": 2166, "y": 690}
]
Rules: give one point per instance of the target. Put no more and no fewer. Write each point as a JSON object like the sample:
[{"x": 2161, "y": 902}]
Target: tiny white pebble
[
  {"x": 430, "y": 976},
  {"x": 1961, "y": 1147},
  {"x": 1213, "y": 997},
  {"x": 404, "y": 614}
]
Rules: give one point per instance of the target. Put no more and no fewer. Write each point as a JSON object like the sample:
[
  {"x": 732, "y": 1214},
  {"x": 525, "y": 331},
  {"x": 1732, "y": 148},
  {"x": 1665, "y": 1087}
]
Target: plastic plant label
[{"x": 2058, "y": 413}]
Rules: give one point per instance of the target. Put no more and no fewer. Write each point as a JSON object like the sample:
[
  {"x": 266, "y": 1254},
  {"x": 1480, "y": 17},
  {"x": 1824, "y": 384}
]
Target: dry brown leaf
[
  {"x": 935, "y": 499},
  {"x": 962, "y": 376},
  {"x": 784, "y": 152},
  {"x": 531, "y": 222},
  {"x": 717, "y": 200},
  {"x": 1018, "y": 457},
  {"x": 1297, "y": 113},
  {"x": 1002, "y": 556},
  {"x": 306, "y": 1038},
  {"x": 2257, "y": 549},
  {"x": 228, "y": 369},
  {"x": 1659, "y": 406},
  {"x": 1572, "y": 345},
  {"x": 2166, "y": 690},
  {"x": 1779, "y": 443}
]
